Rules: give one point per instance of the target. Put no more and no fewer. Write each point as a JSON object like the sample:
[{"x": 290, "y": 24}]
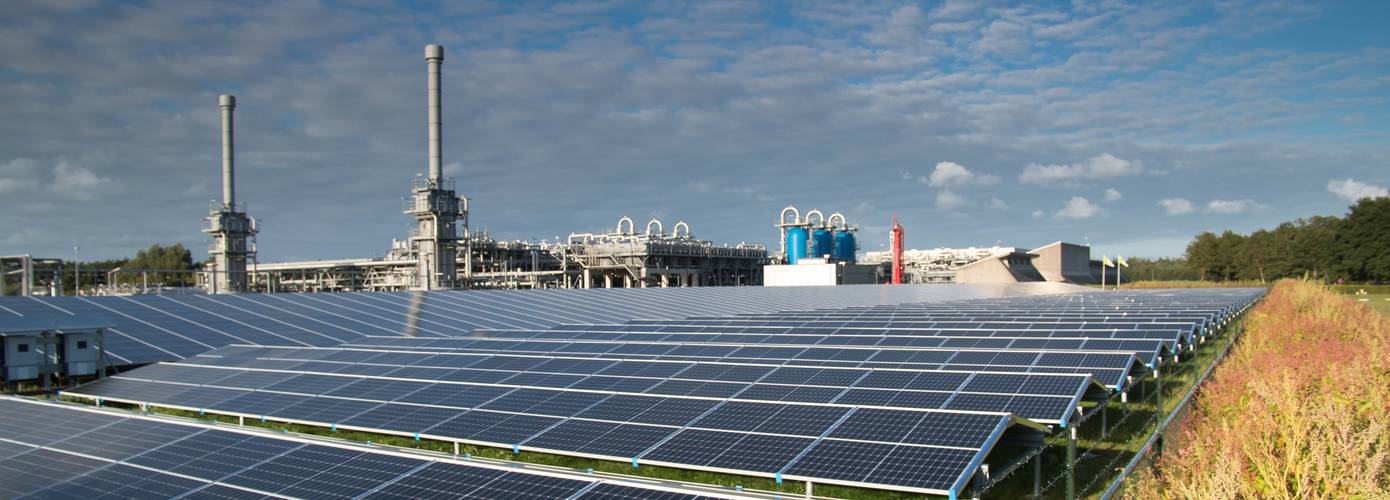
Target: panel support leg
[
  {"x": 810, "y": 492},
  {"x": 1104, "y": 405},
  {"x": 1037, "y": 476},
  {"x": 1071, "y": 462},
  {"x": 1158, "y": 393}
]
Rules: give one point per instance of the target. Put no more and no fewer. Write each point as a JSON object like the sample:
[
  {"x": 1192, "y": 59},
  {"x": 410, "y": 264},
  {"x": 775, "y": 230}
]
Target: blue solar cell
[
  {"x": 802, "y": 420},
  {"x": 693, "y": 446},
  {"x": 761, "y": 453},
  {"x": 842, "y": 460},
  {"x": 736, "y": 416},
  {"x": 921, "y": 467}
]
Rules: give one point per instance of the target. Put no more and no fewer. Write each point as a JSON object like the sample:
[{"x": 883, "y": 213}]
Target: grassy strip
[
  {"x": 1378, "y": 303},
  {"x": 1300, "y": 409}
]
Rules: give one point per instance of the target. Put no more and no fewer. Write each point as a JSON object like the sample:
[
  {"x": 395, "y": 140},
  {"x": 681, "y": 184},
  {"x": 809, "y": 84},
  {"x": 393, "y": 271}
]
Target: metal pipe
[
  {"x": 228, "y": 103},
  {"x": 631, "y": 228},
  {"x": 796, "y": 215},
  {"x": 831, "y": 221},
  {"x": 434, "y": 57}
]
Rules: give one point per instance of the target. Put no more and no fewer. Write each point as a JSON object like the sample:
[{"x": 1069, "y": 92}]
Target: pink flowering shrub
[{"x": 1300, "y": 409}]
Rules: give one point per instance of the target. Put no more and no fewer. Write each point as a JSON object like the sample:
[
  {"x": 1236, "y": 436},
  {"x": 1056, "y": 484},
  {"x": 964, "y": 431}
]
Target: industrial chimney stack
[
  {"x": 439, "y": 212},
  {"x": 228, "y": 104},
  {"x": 434, "y": 58},
  {"x": 233, "y": 232}
]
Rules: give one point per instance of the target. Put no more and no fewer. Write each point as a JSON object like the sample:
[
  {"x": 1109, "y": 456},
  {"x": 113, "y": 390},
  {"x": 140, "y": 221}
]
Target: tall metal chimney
[
  {"x": 439, "y": 212},
  {"x": 434, "y": 57},
  {"x": 233, "y": 232},
  {"x": 228, "y": 103}
]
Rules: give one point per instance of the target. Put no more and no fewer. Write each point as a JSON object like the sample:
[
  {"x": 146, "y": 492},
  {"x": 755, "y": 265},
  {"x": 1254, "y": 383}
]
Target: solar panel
[
  {"x": 912, "y": 389},
  {"x": 147, "y": 457},
  {"x": 150, "y": 328},
  {"x": 1109, "y": 368}
]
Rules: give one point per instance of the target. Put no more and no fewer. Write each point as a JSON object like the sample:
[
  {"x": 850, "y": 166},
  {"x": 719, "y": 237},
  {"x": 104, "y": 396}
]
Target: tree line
[
  {"x": 1352, "y": 248},
  {"x": 175, "y": 258}
]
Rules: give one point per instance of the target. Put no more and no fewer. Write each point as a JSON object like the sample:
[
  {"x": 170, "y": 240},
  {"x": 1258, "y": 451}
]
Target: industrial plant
[{"x": 442, "y": 252}]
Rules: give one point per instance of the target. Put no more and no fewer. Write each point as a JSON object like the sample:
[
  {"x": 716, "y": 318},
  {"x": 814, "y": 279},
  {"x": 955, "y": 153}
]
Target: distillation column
[
  {"x": 438, "y": 211},
  {"x": 231, "y": 229}
]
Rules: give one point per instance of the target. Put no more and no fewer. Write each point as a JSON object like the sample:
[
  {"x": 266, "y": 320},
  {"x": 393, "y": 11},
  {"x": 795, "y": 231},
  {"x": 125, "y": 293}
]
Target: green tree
[
  {"x": 1363, "y": 239},
  {"x": 1202, "y": 254},
  {"x": 1229, "y": 248},
  {"x": 1255, "y": 255},
  {"x": 1315, "y": 247},
  {"x": 173, "y": 258}
]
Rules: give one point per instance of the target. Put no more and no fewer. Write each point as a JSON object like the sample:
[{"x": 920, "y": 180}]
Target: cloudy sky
[{"x": 1131, "y": 125}]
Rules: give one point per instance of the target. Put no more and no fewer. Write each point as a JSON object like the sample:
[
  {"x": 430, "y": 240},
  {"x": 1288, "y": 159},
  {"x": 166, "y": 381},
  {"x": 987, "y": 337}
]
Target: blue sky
[{"x": 1131, "y": 125}]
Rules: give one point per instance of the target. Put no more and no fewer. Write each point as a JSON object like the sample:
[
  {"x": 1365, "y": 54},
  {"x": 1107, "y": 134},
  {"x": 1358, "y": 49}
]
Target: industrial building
[
  {"x": 441, "y": 252},
  {"x": 1058, "y": 262},
  {"x": 816, "y": 251}
]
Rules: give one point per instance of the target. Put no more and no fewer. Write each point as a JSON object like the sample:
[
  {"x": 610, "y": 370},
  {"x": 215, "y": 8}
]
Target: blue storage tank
[
  {"x": 796, "y": 244},
  {"x": 844, "y": 246},
  {"x": 822, "y": 243}
]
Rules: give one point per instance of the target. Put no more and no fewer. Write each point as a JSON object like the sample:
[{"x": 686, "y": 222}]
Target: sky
[{"x": 1131, "y": 126}]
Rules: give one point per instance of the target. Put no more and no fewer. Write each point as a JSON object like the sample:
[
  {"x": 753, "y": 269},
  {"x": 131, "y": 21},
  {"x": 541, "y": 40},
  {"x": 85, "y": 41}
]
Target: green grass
[{"x": 1378, "y": 302}]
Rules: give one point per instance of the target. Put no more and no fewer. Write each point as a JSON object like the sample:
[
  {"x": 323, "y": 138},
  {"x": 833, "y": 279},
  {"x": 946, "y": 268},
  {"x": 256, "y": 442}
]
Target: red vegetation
[{"x": 1300, "y": 409}]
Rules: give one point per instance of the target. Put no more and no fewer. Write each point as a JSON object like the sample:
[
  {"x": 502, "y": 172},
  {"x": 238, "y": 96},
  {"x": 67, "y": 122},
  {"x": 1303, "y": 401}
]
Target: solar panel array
[
  {"x": 54, "y": 451},
  {"x": 148, "y": 328},
  {"x": 382, "y": 376},
  {"x": 1108, "y": 362},
  {"x": 623, "y": 423},
  {"x": 881, "y": 393}
]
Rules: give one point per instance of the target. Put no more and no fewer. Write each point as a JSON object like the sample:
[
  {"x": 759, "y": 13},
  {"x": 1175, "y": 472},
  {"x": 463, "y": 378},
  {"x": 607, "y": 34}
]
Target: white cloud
[
  {"x": 18, "y": 176},
  {"x": 454, "y": 169},
  {"x": 1352, "y": 190},
  {"x": 14, "y": 186},
  {"x": 1230, "y": 207},
  {"x": 997, "y": 204},
  {"x": 196, "y": 189},
  {"x": 1038, "y": 214},
  {"x": 1176, "y": 206},
  {"x": 1097, "y": 167},
  {"x": 1078, "y": 208},
  {"x": 954, "y": 9},
  {"x": 1112, "y": 195},
  {"x": 946, "y": 200},
  {"x": 948, "y": 174},
  {"x": 76, "y": 182},
  {"x": 19, "y": 167}
]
